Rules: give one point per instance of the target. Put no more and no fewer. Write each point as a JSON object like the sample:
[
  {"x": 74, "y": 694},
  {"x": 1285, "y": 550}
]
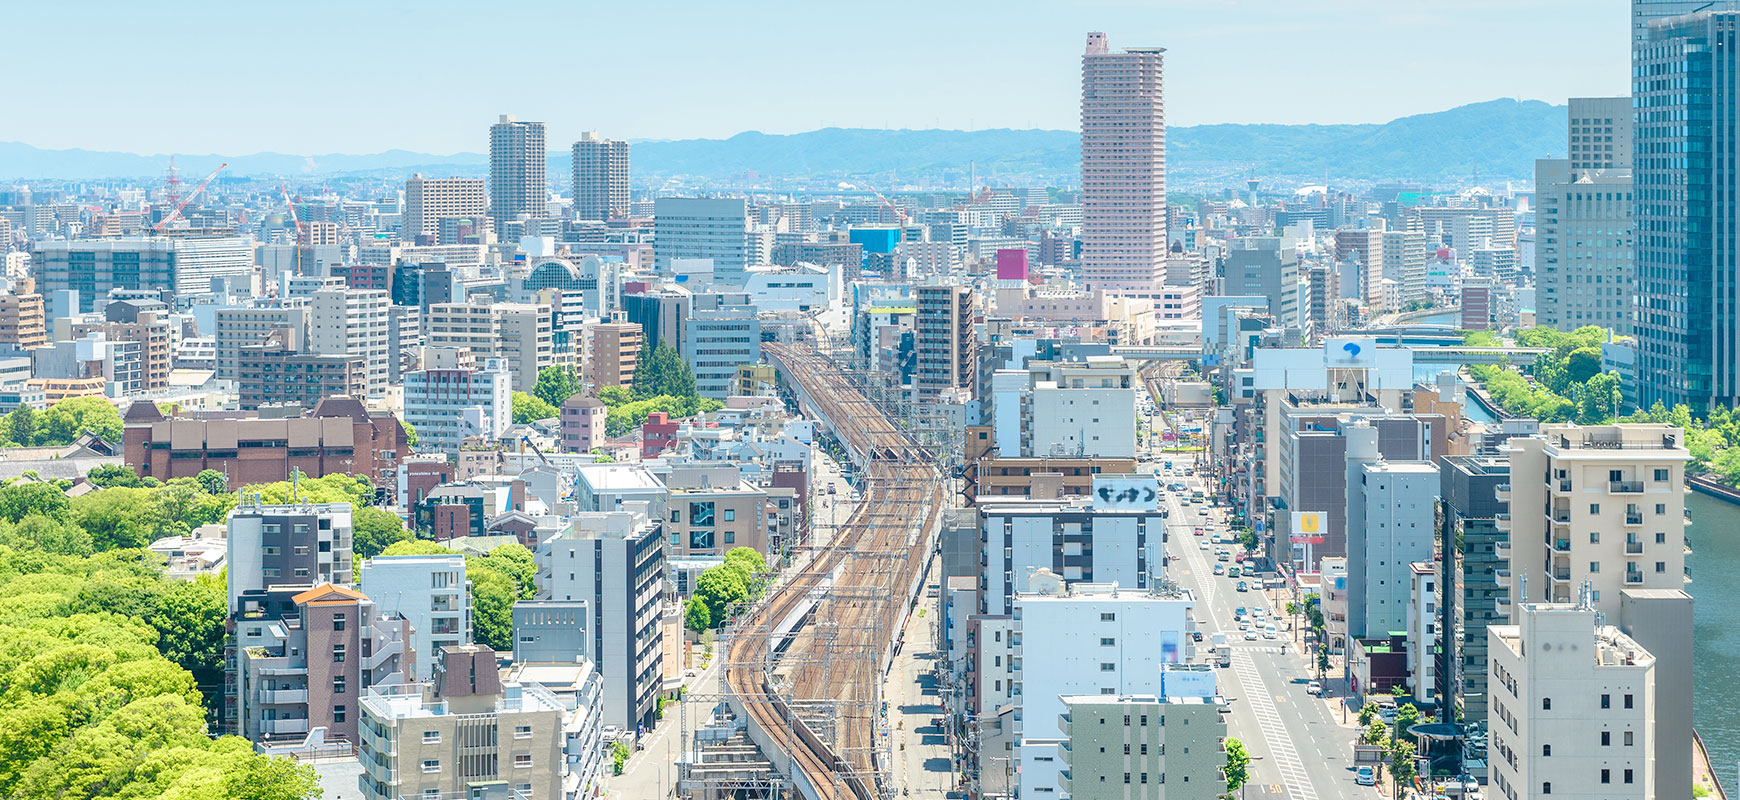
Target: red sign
[{"x": 1297, "y": 539}]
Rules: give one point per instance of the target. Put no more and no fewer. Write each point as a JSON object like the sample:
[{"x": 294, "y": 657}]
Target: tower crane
[
  {"x": 175, "y": 213},
  {"x": 301, "y": 227}
]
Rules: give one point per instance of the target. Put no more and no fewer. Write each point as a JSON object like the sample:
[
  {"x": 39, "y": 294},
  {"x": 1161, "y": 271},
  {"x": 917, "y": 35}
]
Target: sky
[{"x": 317, "y": 77}]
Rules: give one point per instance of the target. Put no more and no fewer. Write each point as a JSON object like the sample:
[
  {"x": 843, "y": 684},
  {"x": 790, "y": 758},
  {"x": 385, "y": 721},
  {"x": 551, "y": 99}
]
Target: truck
[{"x": 1222, "y": 651}]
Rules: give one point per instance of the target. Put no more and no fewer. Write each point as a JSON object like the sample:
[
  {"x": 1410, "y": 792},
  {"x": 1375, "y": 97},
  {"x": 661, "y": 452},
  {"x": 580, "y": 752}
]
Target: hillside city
[{"x": 554, "y": 482}]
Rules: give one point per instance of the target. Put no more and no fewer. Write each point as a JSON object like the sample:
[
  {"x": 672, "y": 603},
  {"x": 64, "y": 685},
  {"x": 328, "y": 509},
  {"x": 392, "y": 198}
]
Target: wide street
[{"x": 1299, "y": 746}]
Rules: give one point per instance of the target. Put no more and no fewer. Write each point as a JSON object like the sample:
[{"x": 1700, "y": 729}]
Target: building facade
[
  {"x": 600, "y": 177},
  {"x": 517, "y": 185},
  {"x": 1123, "y": 167}
]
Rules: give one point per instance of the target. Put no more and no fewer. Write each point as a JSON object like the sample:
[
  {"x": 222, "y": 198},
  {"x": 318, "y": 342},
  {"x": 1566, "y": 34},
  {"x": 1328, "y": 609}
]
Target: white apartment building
[
  {"x": 521, "y": 335},
  {"x": 615, "y": 561},
  {"x": 1423, "y": 619},
  {"x": 1072, "y": 409},
  {"x": 1604, "y": 505},
  {"x": 1085, "y": 639},
  {"x": 1391, "y": 523},
  {"x": 1104, "y": 546},
  {"x": 236, "y": 328},
  {"x": 1583, "y": 221},
  {"x": 1572, "y": 709},
  {"x": 353, "y": 322},
  {"x": 431, "y": 592},
  {"x": 446, "y": 405}
]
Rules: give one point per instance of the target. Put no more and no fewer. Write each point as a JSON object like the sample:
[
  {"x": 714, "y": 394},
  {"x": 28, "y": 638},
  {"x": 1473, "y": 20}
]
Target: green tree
[
  {"x": 1367, "y": 713},
  {"x": 81, "y": 414},
  {"x": 22, "y": 426},
  {"x": 554, "y": 385},
  {"x": 1375, "y": 732},
  {"x": 719, "y": 587},
  {"x": 613, "y": 396},
  {"x": 618, "y": 757},
  {"x": 22, "y": 500},
  {"x": 1406, "y": 717},
  {"x": 1402, "y": 766},
  {"x": 492, "y": 607},
  {"x": 663, "y": 373},
  {"x": 696, "y": 617},
  {"x": 416, "y": 547},
  {"x": 529, "y": 409},
  {"x": 211, "y": 481},
  {"x": 1238, "y": 765},
  {"x": 109, "y": 475},
  {"x": 374, "y": 530},
  {"x": 410, "y": 433}
]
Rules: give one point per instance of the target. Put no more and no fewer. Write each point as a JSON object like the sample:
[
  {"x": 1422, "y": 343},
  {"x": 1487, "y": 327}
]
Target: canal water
[{"x": 1715, "y": 559}]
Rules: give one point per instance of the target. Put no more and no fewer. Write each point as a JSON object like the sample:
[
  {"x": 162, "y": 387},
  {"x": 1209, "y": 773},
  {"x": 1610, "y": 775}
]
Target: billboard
[
  {"x": 1126, "y": 493},
  {"x": 1307, "y": 527},
  {"x": 1344, "y": 351}
]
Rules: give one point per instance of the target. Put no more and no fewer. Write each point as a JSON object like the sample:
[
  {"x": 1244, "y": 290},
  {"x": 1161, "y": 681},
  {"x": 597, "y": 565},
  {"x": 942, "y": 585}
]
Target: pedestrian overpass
[{"x": 1423, "y": 354}]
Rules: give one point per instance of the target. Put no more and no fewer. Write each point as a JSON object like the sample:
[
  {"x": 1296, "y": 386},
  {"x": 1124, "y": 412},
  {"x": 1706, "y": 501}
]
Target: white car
[
  {"x": 1269, "y": 633},
  {"x": 1250, "y": 636},
  {"x": 1314, "y": 688}
]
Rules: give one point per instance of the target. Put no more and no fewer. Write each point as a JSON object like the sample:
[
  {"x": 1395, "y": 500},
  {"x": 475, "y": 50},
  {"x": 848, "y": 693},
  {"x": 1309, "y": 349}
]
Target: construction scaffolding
[{"x": 803, "y": 669}]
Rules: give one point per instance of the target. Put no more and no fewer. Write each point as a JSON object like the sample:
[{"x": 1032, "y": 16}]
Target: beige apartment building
[
  {"x": 428, "y": 200},
  {"x": 1603, "y": 504},
  {"x": 22, "y": 322}
]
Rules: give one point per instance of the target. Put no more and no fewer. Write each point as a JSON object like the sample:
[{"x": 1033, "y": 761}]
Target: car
[
  {"x": 611, "y": 732},
  {"x": 1199, "y": 531},
  {"x": 1250, "y": 636},
  {"x": 1270, "y": 633},
  {"x": 1244, "y": 625},
  {"x": 1240, "y": 611},
  {"x": 1196, "y": 636},
  {"x": 1242, "y": 587},
  {"x": 1365, "y": 776},
  {"x": 1219, "y": 569},
  {"x": 1202, "y": 512},
  {"x": 1314, "y": 688}
]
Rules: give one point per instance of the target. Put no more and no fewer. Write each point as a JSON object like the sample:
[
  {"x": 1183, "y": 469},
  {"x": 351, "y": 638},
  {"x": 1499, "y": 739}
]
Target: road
[{"x": 1300, "y": 748}]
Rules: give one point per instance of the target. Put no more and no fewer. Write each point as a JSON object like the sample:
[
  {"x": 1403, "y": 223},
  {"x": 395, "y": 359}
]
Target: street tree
[{"x": 1238, "y": 766}]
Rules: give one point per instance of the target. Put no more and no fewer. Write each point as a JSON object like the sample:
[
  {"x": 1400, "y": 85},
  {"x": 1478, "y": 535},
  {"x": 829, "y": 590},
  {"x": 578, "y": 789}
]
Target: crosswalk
[{"x": 1280, "y": 745}]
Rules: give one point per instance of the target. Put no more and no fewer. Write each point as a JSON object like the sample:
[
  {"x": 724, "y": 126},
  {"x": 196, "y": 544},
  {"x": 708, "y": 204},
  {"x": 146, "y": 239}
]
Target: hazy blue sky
[{"x": 321, "y": 77}]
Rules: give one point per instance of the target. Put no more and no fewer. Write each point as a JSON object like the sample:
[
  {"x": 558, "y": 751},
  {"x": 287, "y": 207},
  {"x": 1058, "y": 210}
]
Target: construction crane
[
  {"x": 175, "y": 213},
  {"x": 301, "y": 227},
  {"x": 526, "y": 441}
]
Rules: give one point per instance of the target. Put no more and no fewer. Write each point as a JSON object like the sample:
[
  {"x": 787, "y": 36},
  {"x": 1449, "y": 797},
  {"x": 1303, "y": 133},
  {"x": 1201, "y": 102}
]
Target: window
[
  {"x": 1606, "y": 738},
  {"x": 431, "y": 765},
  {"x": 1594, "y": 508},
  {"x": 338, "y": 684},
  {"x": 1546, "y": 704},
  {"x": 522, "y": 760},
  {"x": 431, "y": 794},
  {"x": 522, "y": 731},
  {"x": 338, "y": 622},
  {"x": 1126, "y": 719},
  {"x": 1547, "y": 787},
  {"x": 1126, "y": 777},
  {"x": 1606, "y": 776},
  {"x": 1661, "y": 475},
  {"x": 1144, "y": 777},
  {"x": 1628, "y": 738},
  {"x": 1547, "y": 750},
  {"x": 1594, "y": 566},
  {"x": 1606, "y": 701},
  {"x": 1126, "y": 749},
  {"x": 338, "y": 654},
  {"x": 431, "y": 737},
  {"x": 1107, "y": 616},
  {"x": 1107, "y": 641},
  {"x": 730, "y": 515},
  {"x": 1107, "y": 666},
  {"x": 1628, "y": 701},
  {"x": 1594, "y": 537},
  {"x": 1144, "y": 748},
  {"x": 338, "y": 713},
  {"x": 1661, "y": 508},
  {"x": 1628, "y": 776}
]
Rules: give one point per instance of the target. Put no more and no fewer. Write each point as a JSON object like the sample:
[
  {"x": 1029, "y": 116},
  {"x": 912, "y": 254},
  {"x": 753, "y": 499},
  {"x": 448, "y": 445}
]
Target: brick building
[{"x": 338, "y": 436}]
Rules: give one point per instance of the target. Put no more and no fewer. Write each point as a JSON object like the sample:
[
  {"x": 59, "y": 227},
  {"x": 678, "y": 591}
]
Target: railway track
[{"x": 878, "y": 554}]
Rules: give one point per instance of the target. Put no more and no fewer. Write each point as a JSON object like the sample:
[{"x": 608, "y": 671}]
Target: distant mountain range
[{"x": 1497, "y": 139}]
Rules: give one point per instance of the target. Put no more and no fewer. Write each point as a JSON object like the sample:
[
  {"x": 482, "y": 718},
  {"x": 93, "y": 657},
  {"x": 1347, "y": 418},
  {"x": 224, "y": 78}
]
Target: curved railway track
[{"x": 879, "y": 553}]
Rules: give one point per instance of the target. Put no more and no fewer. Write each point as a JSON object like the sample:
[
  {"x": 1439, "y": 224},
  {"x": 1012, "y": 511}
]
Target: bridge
[
  {"x": 1423, "y": 353},
  {"x": 803, "y": 670}
]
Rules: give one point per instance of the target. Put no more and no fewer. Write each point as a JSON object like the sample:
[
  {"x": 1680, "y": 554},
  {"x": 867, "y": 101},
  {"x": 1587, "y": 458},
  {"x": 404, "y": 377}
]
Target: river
[{"x": 1715, "y": 641}]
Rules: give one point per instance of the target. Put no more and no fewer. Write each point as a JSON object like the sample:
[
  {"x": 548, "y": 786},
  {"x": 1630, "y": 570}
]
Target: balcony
[
  {"x": 283, "y": 696},
  {"x": 1634, "y": 518},
  {"x": 1565, "y": 485},
  {"x": 1560, "y": 546},
  {"x": 1501, "y": 550},
  {"x": 1501, "y": 521},
  {"x": 1502, "y": 492},
  {"x": 1502, "y": 605},
  {"x": 1501, "y": 577},
  {"x": 1559, "y": 516},
  {"x": 1633, "y": 578},
  {"x": 1625, "y": 487},
  {"x": 1559, "y": 575},
  {"x": 1634, "y": 548},
  {"x": 1688, "y": 545},
  {"x": 284, "y": 726}
]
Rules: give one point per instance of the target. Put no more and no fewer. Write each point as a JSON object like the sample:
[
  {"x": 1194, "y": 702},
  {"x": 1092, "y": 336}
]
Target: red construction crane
[
  {"x": 301, "y": 227},
  {"x": 175, "y": 213}
]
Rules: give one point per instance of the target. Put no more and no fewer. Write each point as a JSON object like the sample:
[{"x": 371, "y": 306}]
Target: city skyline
[{"x": 668, "y": 90}]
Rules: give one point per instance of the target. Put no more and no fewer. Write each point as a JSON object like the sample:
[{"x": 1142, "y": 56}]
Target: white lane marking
[{"x": 1275, "y": 738}]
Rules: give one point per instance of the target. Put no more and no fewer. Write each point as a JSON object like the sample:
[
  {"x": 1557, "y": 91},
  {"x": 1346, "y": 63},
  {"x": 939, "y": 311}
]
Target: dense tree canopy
[
  {"x": 662, "y": 373},
  {"x": 61, "y": 424},
  {"x": 555, "y": 385},
  {"x": 528, "y": 409}
]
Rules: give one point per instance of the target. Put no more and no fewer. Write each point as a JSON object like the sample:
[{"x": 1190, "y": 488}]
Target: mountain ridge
[{"x": 1495, "y": 139}]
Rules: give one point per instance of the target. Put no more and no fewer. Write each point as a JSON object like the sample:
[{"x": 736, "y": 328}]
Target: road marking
[{"x": 1275, "y": 737}]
